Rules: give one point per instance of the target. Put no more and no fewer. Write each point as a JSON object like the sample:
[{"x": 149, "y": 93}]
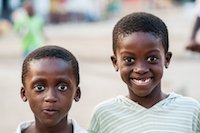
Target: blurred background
[{"x": 85, "y": 28}]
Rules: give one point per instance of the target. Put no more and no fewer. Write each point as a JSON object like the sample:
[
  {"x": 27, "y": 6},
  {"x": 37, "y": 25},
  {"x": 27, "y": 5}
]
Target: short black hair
[
  {"x": 51, "y": 51},
  {"x": 140, "y": 21}
]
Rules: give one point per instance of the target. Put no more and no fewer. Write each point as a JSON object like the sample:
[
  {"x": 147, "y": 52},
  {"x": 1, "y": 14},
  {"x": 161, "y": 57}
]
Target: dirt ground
[{"x": 91, "y": 44}]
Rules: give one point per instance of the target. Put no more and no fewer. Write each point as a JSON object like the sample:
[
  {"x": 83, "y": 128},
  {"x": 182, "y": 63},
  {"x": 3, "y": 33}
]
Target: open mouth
[{"x": 144, "y": 81}]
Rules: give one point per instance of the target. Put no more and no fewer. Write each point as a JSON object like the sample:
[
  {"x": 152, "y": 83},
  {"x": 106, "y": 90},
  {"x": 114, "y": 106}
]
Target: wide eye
[
  {"x": 62, "y": 87},
  {"x": 129, "y": 59},
  {"x": 152, "y": 59},
  {"x": 39, "y": 87}
]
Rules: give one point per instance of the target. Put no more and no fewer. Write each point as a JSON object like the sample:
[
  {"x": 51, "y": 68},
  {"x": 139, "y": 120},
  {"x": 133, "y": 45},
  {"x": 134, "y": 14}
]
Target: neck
[
  {"x": 149, "y": 100},
  {"x": 64, "y": 126}
]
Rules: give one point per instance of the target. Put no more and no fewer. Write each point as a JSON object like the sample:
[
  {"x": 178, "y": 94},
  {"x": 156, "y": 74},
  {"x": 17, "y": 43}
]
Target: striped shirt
[{"x": 175, "y": 114}]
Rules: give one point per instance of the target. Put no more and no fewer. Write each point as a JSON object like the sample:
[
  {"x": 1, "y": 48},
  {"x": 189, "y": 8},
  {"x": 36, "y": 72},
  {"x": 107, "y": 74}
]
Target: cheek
[
  {"x": 34, "y": 99},
  {"x": 158, "y": 70},
  {"x": 67, "y": 99},
  {"x": 34, "y": 104},
  {"x": 66, "y": 104},
  {"x": 125, "y": 72}
]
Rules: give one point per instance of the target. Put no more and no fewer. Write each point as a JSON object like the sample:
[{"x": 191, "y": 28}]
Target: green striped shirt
[{"x": 175, "y": 114}]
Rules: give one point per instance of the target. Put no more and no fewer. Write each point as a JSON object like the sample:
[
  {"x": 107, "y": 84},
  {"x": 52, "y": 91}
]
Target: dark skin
[
  {"x": 193, "y": 44},
  {"x": 29, "y": 8},
  {"x": 141, "y": 58},
  {"x": 50, "y": 88},
  {"x": 195, "y": 28}
]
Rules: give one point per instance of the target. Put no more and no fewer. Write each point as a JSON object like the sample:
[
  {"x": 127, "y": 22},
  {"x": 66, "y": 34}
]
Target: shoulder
[
  {"x": 186, "y": 99},
  {"x": 186, "y": 102},
  {"x": 77, "y": 128},
  {"x": 108, "y": 103},
  {"x": 23, "y": 125},
  {"x": 109, "y": 106},
  {"x": 103, "y": 113}
]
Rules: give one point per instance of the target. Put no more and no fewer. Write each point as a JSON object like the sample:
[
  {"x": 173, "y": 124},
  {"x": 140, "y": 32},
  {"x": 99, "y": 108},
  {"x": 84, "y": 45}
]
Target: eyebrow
[{"x": 154, "y": 50}]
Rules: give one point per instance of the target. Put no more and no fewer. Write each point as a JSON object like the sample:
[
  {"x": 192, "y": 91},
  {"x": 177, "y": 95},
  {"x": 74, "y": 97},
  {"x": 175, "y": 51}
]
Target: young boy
[
  {"x": 50, "y": 78},
  {"x": 140, "y": 46}
]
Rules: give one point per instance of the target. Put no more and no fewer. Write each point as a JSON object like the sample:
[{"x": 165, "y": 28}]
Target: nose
[
  {"x": 140, "y": 68},
  {"x": 51, "y": 95}
]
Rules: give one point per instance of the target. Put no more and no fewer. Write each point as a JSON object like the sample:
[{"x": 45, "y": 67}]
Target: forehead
[
  {"x": 140, "y": 41},
  {"x": 50, "y": 65}
]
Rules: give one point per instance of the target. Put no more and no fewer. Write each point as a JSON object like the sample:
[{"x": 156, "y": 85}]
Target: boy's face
[
  {"x": 50, "y": 88},
  {"x": 140, "y": 58},
  {"x": 29, "y": 8}
]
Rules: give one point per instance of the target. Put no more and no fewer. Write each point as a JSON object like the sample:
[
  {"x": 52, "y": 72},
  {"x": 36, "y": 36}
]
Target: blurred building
[{"x": 56, "y": 11}]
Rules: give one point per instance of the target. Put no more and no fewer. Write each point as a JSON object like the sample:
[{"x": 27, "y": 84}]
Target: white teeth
[{"x": 141, "y": 81}]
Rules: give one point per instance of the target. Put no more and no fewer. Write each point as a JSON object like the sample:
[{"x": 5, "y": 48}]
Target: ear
[
  {"x": 23, "y": 95},
  {"x": 168, "y": 56},
  {"x": 114, "y": 62},
  {"x": 78, "y": 94}
]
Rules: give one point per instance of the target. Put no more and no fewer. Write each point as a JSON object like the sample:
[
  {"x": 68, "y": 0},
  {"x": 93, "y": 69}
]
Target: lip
[
  {"x": 141, "y": 81},
  {"x": 50, "y": 111}
]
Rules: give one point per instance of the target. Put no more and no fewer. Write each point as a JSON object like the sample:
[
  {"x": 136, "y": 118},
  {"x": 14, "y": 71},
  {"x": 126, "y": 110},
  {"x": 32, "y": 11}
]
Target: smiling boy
[{"x": 140, "y": 47}]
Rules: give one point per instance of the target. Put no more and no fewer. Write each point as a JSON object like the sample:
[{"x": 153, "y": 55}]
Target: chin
[{"x": 142, "y": 93}]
